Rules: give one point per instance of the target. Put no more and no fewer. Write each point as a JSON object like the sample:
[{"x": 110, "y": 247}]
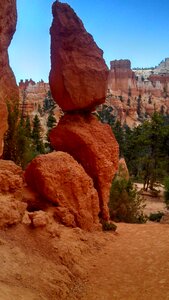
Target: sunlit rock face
[
  {"x": 121, "y": 77},
  {"x": 61, "y": 180},
  {"x": 78, "y": 77},
  {"x": 78, "y": 82},
  {"x": 136, "y": 94},
  {"x": 93, "y": 145},
  {"x": 8, "y": 87}
]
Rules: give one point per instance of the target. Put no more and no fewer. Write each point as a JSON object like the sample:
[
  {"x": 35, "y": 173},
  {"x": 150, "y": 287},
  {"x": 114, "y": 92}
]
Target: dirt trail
[
  {"x": 133, "y": 266},
  {"x": 75, "y": 265}
]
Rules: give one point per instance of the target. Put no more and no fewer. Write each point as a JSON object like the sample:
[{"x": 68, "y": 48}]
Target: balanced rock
[
  {"x": 93, "y": 145},
  {"x": 8, "y": 88},
  {"x": 78, "y": 77},
  {"x": 59, "y": 179}
]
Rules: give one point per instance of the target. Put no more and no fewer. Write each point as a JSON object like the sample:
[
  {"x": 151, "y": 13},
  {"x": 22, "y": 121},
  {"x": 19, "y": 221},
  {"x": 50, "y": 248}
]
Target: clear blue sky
[{"x": 133, "y": 29}]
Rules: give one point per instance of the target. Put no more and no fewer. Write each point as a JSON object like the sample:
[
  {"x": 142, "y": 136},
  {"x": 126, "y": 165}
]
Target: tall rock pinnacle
[{"x": 78, "y": 77}]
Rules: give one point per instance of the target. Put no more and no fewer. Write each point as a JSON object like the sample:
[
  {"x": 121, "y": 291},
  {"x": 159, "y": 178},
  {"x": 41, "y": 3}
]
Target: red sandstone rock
[
  {"x": 11, "y": 178},
  {"x": 121, "y": 77},
  {"x": 12, "y": 210},
  {"x": 8, "y": 87},
  {"x": 93, "y": 145},
  {"x": 78, "y": 77},
  {"x": 58, "y": 178}
]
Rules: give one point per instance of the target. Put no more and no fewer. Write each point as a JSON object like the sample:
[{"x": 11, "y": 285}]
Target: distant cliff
[
  {"x": 136, "y": 94},
  {"x": 35, "y": 99}
]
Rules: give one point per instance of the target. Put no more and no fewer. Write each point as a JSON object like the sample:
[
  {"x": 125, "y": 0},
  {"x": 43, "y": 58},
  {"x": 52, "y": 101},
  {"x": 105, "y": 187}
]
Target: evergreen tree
[
  {"x": 51, "y": 120},
  {"x": 28, "y": 127},
  {"x": 36, "y": 135},
  {"x": 105, "y": 115},
  {"x": 10, "y": 136},
  {"x": 17, "y": 147},
  {"x": 119, "y": 134}
]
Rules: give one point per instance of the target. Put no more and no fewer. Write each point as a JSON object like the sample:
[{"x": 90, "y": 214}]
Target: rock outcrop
[
  {"x": 78, "y": 81},
  {"x": 78, "y": 77},
  {"x": 8, "y": 87},
  {"x": 59, "y": 179},
  {"x": 163, "y": 67},
  {"x": 11, "y": 192},
  {"x": 11, "y": 178},
  {"x": 121, "y": 77},
  {"x": 136, "y": 95},
  {"x": 93, "y": 145},
  {"x": 35, "y": 99}
]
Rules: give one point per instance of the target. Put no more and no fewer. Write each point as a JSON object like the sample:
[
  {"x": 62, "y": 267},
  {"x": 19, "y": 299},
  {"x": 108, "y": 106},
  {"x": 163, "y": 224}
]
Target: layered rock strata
[
  {"x": 8, "y": 88},
  {"x": 121, "y": 77},
  {"x": 136, "y": 95},
  {"x": 78, "y": 73}
]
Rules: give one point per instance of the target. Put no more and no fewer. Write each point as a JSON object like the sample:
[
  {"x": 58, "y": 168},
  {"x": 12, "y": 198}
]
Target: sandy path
[{"x": 132, "y": 266}]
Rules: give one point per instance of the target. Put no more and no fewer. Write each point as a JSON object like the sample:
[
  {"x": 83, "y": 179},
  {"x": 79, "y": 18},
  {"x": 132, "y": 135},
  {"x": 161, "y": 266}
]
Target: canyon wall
[
  {"x": 35, "y": 99},
  {"x": 8, "y": 87},
  {"x": 136, "y": 95}
]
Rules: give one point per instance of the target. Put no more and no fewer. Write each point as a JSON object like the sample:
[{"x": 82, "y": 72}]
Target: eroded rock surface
[
  {"x": 8, "y": 88},
  {"x": 78, "y": 77},
  {"x": 11, "y": 192},
  {"x": 12, "y": 210},
  {"x": 59, "y": 179},
  {"x": 93, "y": 145},
  {"x": 11, "y": 178}
]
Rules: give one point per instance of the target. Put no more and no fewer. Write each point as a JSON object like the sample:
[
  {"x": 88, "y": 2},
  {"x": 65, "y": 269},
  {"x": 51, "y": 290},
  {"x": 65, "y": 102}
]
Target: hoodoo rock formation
[
  {"x": 121, "y": 77},
  {"x": 78, "y": 74},
  {"x": 136, "y": 94},
  {"x": 78, "y": 82},
  {"x": 8, "y": 88},
  {"x": 58, "y": 178},
  {"x": 93, "y": 145}
]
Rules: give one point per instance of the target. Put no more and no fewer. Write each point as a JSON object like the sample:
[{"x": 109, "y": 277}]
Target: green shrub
[
  {"x": 156, "y": 217},
  {"x": 166, "y": 192},
  {"x": 106, "y": 226},
  {"x": 125, "y": 204}
]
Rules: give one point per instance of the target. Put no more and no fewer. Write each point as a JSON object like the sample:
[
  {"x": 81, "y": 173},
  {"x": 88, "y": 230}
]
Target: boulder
[
  {"x": 93, "y": 145},
  {"x": 60, "y": 180},
  {"x": 11, "y": 178},
  {"x": 8, "y": 88},
  {"x": 78, "y": 76},
  {"x": 12, "y": 210}
]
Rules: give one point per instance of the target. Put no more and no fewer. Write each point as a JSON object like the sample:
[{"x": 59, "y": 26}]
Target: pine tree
[
  {"x": 17, "y": 146},
  {"x": 51, "y": 120},
  {"x": 36, "y": 135},
  {"x": 28, "y": 127}
]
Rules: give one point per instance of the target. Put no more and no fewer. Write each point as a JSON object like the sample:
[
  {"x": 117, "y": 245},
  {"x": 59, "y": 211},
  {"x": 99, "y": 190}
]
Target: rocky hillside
[
  {"x": 133, "y": 94},
  {"x": 8, "y": 87},
  {"x": 136, "y": 94},
  {"x": 35, "y": 99}
]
